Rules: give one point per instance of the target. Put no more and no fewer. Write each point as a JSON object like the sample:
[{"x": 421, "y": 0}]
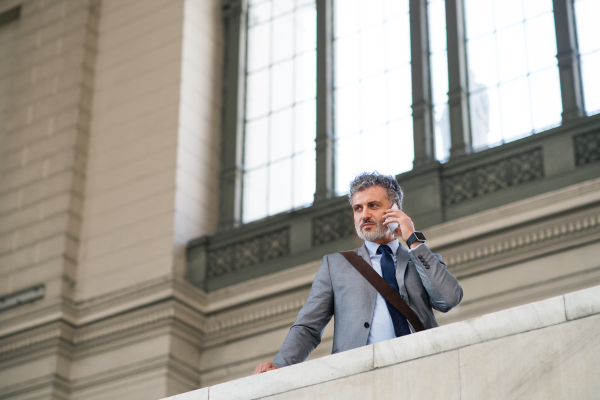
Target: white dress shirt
[{"x": 382, "y": 327}]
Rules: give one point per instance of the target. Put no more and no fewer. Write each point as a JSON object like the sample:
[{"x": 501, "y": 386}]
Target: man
[{"x": 362, "y": 315}]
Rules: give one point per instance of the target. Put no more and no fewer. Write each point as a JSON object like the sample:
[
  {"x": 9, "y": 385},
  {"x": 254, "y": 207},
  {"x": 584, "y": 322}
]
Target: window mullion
[
  {"x": 422, "y": 106},
  {"x": 234, "y": 84},
  {"x": 325, "y": 183},
  {"x": 568, "y": 60},
  {"x": 460, "y": 132}
]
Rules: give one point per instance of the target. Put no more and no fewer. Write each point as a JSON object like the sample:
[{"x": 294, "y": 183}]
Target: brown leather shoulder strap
[{"x": 383, "y": 288}]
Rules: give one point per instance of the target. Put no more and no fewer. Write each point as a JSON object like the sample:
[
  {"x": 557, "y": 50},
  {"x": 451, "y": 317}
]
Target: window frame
[{"x": 235, "y": 20}]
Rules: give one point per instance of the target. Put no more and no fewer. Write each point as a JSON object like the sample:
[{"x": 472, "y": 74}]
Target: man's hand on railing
[{"x": 264, "y": 367}]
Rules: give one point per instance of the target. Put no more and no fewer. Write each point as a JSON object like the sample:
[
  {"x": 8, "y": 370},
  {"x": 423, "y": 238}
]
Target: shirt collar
[{"x": 372, "y": 247}]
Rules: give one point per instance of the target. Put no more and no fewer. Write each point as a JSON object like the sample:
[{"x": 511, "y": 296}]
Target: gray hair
[{"x": 388, "y": 182}]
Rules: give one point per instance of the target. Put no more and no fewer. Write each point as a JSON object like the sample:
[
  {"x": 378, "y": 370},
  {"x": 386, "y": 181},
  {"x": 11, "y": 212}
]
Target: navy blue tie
[{"x": 388, "y": 271}]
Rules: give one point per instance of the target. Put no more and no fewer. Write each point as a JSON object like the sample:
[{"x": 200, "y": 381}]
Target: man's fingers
[{"x": 264, "y": 367}]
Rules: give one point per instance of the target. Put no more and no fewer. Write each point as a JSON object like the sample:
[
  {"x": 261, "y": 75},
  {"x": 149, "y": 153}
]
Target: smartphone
[{"x": 393, "y": 225}]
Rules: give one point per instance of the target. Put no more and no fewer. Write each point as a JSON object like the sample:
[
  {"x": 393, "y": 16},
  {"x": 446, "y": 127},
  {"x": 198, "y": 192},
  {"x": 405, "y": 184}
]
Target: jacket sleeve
[
  {"x": 442, "y": 287},
  {"x": 305, "y": 335}
]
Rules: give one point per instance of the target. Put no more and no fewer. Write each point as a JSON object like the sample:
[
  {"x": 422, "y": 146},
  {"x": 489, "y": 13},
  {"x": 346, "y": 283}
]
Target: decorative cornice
[
  {"x": 29, "y": 341},
  {"x": 124, "y": 324},
  {"x": 270, "y": 311},
  {"x": 537, "y": 237}
]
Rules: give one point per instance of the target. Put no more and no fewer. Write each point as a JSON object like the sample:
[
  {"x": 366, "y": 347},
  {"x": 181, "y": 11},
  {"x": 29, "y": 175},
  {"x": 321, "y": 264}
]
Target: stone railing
[{"x": 544, "y": 350}]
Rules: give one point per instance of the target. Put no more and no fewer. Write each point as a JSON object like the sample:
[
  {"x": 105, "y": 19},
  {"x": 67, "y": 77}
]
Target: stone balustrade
[{"x": 544, "y": 350}]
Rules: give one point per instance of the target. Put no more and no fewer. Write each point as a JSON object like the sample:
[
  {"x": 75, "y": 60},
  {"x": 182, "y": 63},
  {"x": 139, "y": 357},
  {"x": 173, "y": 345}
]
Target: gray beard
[{"x": 374, "y": 234}]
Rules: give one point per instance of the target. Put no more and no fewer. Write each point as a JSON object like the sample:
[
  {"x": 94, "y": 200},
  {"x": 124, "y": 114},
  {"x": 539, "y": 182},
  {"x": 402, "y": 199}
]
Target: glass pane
[
  {"x": 255, "y": 194},
  {"x": 257, "y": 94},
  {"x": 541, "y": 48},
  {"x": 347, "y": 111},
  {"x": 373, "y": 107},
  {"x": 437, "y": 25},
  {"x": 516, "y": 109},
  {"x": 482, "y": 62},
  {"x": 282, "y": 90},
  {"x": 507, "y": 13},
  {"x": 397, "y": 47},
  {"x": 480, "y": 119},
  {"x": 348, "y": 161},
  {"x": 545, "y": 99},
  {"x": 372, "y": 51},
  {"x": 282, "y": 7},
  {"x": 513, "y": 74},
  {"x": 280, "y": 115},
  {"x": 259, "y": 39},
  {"x": 261, "y": 12},
  {"x": 586, "y": 15},
  {"x": 590, "y": 65},
  {"x": 281, "y": 135},
  {"x": 306, "y": 76},
  {"x": 401, "y": 149},
  {"x": 280, "y": 186},
  {"x": 255, "y": 143},
  {"x": 439, "y": 77},
  {"x": 346, "y": 17},
  {"x": 512, "y": 55},
  {"x": 347, "y": 61},
  {"x": 479, "y": 15},
  {"x": 372, "y": 83},
  {"x": 533, "y": 8},
  {"x": 399, "y": 100},
  {"x": 304, "y": 178},
  {"x": 376, "y": 158},
  {"x": 306, "y": 29},
  {"x": 372, "y": 12},
  {"x": 305, "y": 124},
  {"x": 283, "y": 38},
  {"x": 442, "y": 131}
]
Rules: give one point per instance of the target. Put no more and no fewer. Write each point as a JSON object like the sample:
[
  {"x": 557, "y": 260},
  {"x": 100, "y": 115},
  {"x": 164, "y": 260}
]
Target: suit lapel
[{"x": 402, "y": 259}]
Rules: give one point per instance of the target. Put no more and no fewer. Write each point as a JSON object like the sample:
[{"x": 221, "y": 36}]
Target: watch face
[{"x": 419, "y": 236}]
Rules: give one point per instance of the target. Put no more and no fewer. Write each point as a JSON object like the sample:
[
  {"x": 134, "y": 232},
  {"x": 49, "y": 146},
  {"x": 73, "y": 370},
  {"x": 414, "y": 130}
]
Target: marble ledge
[{"x": 459, "y": 335}]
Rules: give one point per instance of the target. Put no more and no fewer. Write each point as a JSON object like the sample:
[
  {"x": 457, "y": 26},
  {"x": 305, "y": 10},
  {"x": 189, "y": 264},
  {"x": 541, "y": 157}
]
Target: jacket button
[{"x": 367, "y": 325}]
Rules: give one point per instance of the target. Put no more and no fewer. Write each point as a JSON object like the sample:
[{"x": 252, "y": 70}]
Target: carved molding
[
  {"x": 330, "y": 227},
  {"x": 493, "y": 177},
  {"x": 244, "y": 254},
  {"x": 273, "y": 310},
  {"x": 587, "y": 148},
  {"x": 30, "y": 340},
  {"x": 123, "y": 325},
  {"x": 561, "y": 229}
]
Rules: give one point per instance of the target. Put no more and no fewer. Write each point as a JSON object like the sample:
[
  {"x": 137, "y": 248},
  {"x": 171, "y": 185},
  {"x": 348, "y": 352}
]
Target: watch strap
[{"x": 413, "y": 238}]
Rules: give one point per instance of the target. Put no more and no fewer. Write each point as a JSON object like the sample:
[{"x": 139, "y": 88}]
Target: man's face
[{"x": 369, "y": 205}]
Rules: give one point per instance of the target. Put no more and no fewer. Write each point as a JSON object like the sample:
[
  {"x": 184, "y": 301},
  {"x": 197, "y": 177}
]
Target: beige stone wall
[{"x": 109, "y": 163}]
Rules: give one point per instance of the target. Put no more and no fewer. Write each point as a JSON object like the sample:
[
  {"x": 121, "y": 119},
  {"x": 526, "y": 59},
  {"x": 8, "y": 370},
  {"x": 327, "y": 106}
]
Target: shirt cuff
[{"x": 410, "y": 250}]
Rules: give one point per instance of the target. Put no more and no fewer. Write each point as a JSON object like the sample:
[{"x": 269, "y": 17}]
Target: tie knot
[{"x": 384, "y": 248}]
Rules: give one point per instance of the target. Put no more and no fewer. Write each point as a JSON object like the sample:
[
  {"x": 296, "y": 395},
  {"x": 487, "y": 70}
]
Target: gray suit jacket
[{"x": 340, "y": 290}]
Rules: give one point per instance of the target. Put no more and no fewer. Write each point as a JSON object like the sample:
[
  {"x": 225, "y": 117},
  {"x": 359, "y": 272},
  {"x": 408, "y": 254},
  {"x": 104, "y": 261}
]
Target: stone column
[
  {"x": 568, "y": 60},
  {"x": 234, "y": 85},
  {"x": 325, "y": 179},
  {"x": 423, "y": 130},
  {"x": 458, "y": 97}
]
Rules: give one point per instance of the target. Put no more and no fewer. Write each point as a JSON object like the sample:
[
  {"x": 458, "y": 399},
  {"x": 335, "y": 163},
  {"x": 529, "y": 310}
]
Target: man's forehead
[{"x": 373, "y": 193}]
